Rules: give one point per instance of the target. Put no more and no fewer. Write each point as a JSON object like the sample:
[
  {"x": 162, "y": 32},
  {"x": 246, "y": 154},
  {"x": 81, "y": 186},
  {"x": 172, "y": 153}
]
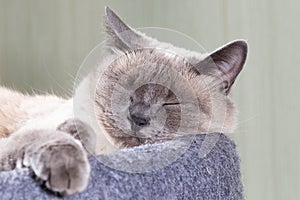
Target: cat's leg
[{"x": 54, "y": 156}]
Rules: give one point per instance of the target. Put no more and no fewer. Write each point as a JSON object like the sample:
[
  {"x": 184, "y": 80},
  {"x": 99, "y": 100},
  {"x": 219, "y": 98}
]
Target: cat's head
[{"x": 153, "y": 90}]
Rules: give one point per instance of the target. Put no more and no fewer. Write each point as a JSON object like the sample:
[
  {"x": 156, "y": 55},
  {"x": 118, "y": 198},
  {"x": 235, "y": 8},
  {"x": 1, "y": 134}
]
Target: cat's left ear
[
  {"x": 120, "y": 35},
  {"x": 225, "y": 63}
]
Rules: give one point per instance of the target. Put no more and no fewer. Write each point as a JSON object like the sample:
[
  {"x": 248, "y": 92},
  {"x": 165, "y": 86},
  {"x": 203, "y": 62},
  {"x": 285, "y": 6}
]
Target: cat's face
[{"x": 148, "y": 93}]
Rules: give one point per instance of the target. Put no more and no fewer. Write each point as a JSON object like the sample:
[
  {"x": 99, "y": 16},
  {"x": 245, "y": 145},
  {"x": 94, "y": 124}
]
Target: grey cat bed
[{"x": 212, "y": 172}]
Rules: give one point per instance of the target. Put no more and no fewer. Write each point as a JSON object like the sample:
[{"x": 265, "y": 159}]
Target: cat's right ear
[
  {"x": 120, "y": 35},
  {"x": 225, "y": 63}
]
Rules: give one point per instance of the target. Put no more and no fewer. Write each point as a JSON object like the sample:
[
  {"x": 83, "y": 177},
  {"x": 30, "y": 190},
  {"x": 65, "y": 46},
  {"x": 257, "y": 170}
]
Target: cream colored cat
[{"x": 175, "y": 92}]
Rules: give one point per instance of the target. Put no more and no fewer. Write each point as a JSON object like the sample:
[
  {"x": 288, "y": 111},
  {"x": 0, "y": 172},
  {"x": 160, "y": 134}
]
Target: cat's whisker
[
  {"x": 73, "y": 77},
  {"x": 64, "y": 89},
  {"x": 249, "y": 119}
]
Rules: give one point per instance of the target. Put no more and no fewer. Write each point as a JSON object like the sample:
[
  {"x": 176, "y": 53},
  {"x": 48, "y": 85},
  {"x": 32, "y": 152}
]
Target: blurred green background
[{"x": 42, "y": 44}]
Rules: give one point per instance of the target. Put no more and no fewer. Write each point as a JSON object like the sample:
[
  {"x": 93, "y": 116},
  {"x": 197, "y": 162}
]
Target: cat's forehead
[
  {"x": 149, "y": 59},
  {"x": 151, "y": 91}
]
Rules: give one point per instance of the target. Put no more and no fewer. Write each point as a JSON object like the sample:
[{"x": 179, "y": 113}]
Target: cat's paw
[
  {"x": 62, "y": 166},
  {"x": 81, "y": 131}
]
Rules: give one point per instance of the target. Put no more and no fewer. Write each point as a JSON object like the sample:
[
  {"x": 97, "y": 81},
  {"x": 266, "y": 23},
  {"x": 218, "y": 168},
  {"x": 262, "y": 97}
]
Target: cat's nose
[{"x": 140, "y": 120}]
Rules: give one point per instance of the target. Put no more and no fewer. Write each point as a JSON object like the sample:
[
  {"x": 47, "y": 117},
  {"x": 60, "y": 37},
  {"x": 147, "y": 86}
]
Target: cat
[{"x": 150, "y": 91}]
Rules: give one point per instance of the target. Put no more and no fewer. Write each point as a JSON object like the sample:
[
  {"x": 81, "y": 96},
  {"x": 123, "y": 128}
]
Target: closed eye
[{"x": 170, "y": 104}]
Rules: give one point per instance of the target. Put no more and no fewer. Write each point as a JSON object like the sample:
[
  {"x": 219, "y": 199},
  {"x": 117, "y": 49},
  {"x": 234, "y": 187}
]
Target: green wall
[{"x": 42, "y": 44}]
